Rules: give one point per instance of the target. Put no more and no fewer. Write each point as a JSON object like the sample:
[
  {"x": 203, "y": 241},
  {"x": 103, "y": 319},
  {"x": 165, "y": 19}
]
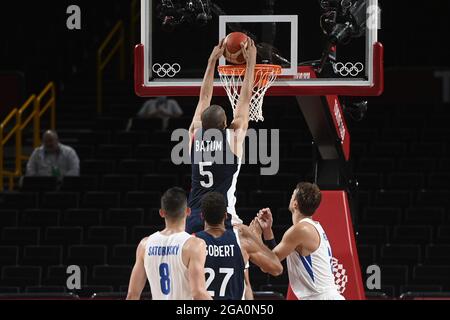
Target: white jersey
[
  {"x": 166, "y": 272},
  {"x": 312, "y": 278}
]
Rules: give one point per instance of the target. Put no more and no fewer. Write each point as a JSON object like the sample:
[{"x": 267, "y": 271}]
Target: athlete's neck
[
  {"x": 297, "y": 216},
  {"x": 215, "y": 230},
  {"x": 173, "y": 227}
]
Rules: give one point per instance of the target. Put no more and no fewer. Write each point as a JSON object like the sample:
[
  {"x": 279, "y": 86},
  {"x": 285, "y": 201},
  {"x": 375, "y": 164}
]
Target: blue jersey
[
  {"x": 224, "y": 266},
  {"x": 215, "y": 168}
]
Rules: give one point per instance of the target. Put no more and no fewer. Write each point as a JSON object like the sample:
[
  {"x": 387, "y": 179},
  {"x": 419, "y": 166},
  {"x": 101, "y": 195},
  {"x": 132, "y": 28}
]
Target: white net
[{"x": 265, "y": 76}]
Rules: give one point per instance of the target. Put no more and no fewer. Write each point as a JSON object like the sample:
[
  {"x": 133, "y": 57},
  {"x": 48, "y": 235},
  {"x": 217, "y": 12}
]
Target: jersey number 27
[{"x": 228, "y": 272}]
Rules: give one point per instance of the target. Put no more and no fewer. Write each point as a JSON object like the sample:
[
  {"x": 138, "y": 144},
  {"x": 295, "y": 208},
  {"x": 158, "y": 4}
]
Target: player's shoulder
[{"x": 194, "y": 244}]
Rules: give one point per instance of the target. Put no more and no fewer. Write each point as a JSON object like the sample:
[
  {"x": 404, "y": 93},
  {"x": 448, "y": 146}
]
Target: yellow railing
[
  {"x": 22, "y": 122},
  {"x": 102, "y": 62}
]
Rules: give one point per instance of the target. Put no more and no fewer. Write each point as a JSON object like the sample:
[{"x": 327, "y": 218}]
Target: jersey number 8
[{"x": 165, "y": 278}]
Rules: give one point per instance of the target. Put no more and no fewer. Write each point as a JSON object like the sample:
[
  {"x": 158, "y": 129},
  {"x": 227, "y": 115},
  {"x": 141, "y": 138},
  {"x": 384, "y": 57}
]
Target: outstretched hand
[
  {"x": 249, "y": 51},
  {"x": 217, "y": 51}
]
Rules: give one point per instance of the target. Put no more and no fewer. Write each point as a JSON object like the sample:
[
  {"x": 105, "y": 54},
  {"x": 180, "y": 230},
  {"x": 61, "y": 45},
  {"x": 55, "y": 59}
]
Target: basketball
[{"x": 233, "y": 50}]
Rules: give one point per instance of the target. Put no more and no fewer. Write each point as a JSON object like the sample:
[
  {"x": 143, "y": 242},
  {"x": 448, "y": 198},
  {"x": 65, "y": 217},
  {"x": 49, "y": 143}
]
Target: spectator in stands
[
  {"x": 161, "y": 108},
  {"x": 53, "y": 159}
]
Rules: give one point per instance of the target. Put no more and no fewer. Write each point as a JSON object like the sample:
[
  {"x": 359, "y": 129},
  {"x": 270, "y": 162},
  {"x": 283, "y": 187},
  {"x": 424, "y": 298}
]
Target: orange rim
[{"x": 231, "y": 70}]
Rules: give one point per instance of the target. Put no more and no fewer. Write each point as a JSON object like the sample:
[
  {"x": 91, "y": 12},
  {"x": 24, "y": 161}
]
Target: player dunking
[
  {"x": 172, "y": 260},
  {"x": 228, "y": 251},
  {"x": 305, "y": 246},
  {"x": 209, "y": 176}
]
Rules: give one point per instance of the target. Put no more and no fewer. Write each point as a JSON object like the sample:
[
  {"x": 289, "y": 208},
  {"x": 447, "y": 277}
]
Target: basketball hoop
[{"x": 232, "y": 77}]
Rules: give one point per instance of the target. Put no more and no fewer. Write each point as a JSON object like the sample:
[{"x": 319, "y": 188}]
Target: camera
[{"x": 173, "y": 13}]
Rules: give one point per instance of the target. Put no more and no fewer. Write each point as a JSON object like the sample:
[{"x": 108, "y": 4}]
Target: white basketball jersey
[
  {"x": 166, "y": 272},
  {"x": 312, "y": 277}
]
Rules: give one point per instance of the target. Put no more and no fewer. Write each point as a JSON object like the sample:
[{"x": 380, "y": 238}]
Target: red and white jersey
[
  {"x": 166, "y": 272},
  {"x": 312, "y": 278}
]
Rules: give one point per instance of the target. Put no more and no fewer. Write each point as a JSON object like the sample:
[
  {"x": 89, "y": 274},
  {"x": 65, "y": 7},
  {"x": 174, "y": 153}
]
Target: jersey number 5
[
  {"x": 228, "y": 272},
  {"x": 207, "y": 174}
]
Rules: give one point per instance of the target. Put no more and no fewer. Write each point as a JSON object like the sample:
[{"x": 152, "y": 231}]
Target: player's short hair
[
  {"x": 213, "y": 118},
  {"x": 214, "y": 208},
  {"x": 174, "y": 203},
  {"x": 308, "y": 198}
]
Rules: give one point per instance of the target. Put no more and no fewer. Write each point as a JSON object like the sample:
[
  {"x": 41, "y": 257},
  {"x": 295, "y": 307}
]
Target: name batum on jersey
[
  {"x": 208, "y": 146},
  {"x": 226, "y": 251},
  {"x": 163, "y": 251}
]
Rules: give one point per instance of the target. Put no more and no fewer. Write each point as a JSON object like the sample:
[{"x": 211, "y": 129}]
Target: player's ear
[
  {"x": 188, "y": 212},
  {"x": 162, "y": 213}
]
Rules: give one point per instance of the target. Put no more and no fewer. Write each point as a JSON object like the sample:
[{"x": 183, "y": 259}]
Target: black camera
[{"x": 177, "y": 12}]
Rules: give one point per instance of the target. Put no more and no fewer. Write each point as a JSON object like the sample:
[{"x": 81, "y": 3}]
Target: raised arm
[
  {"x": 258, "y": 253},
  {"x": 195, "y": 253},
  {"x": 207, "y": 87},
  {"x": 138, "y": 277},
  {"x": 242, "y": 112}
]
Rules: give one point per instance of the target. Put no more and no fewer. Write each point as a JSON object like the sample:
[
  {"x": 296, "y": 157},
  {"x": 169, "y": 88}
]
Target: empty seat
[
  {"x": 443, "y": 235},
  {"x": 412, "y": 235},
  {"x": 123, "y": 255},
  {"x": 152, "y": 151},
  {"x": 20, "y": 236},
  {"x": 416, "y": 216},
  {"x": 101, "y": 200},
  {"x": 369, "y": 181},
  {"x": 282, "y": 216},
  {"x": 63, "y": 236},
  {"x": 9, "y": 256},
  {"x": 124, "y": 217},
  {"x": 158, "y": 182},
  {"x": 375, "y": 165},
  {"x": 136, "y": 166},
  {"x": 296, "y": 166},
  {"x": 46, "y": 289},
  {"x": 406, "y": 181},
  {"x": 142, "y": 199},
  {"x": 433, "y": 198},
  {"x": 60, "y": 200},
  {"x": 439, "y": 181},
  {"x": 283, "y": 182},
  {"x": 387, "y": 149},
  {"x": 417, "y": 165},
  {"x": 106, "y": 235},
  {"x": 367, "y": 254},
  {"x": 400, "y": 134},
  {"x": 9, "y": 218},
  {"x": 119, "y": 183},
  {"x": 21, "y": 276},
  {"x": 41, "y": 184},
  {"x": 57, "y": 275},
  {"x": 111, "y": 274},
  {"x": 83, "y": 183},
  {"x": 405, "y": 254},
  {"x": 9, "y": 290},
  {"x": 40, "y": 218},
  {"x": 392, "y": 198},
  {"x": 420, "y": 289},
  {"x": 130, "y": 138},
  {"x": 438, "y": 254},
  {"x": 142, "y": 232},
  {"x": 82, "y": 217},
  {"x": 152, "y": 217},
  {"x": 42, "y": 255},
  {"x": 394, "y": 274},
  {"x": 113, "y": 152},
  {"x": 382, "y": 216},
  {"x": 84, "y": 152},
  {"x": 93, "y": 137},
  {"x": 443, "y": 165},
  {"x": 432, "y": 275},
  {"x": 420, "y": 149},
  {"x": 268, "y": 199},
  {"x": 87, "y": 255},
  {"x": 166, "y": 165},
  {"x": 96, "y": 167},
  {"x": 17, "y": 201},
  {"x": 372, "y": 234}
]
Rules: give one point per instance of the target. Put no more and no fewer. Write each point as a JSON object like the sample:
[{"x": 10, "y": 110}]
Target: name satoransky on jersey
[
  {"x": 163, "y": 251},
  {"x": 212, "y": 149}
]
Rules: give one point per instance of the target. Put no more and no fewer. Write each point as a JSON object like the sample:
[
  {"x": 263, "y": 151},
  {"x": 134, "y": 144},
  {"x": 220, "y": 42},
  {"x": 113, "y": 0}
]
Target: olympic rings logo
[
  {"x": 166, "y": 69},
  {"x": 348, "y": 69}
]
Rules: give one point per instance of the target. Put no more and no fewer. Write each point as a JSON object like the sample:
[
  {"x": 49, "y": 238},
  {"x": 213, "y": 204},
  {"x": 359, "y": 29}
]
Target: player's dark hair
[
  {"x": 174, "y": 203},
  {"x": 308, "y": 198},
  {"x": 214, "y": 208},
  {"x": 213, "y": 118}
]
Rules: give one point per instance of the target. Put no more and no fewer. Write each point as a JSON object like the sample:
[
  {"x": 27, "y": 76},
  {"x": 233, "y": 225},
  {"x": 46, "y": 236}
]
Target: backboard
[{"x": 324, "y": 47}]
